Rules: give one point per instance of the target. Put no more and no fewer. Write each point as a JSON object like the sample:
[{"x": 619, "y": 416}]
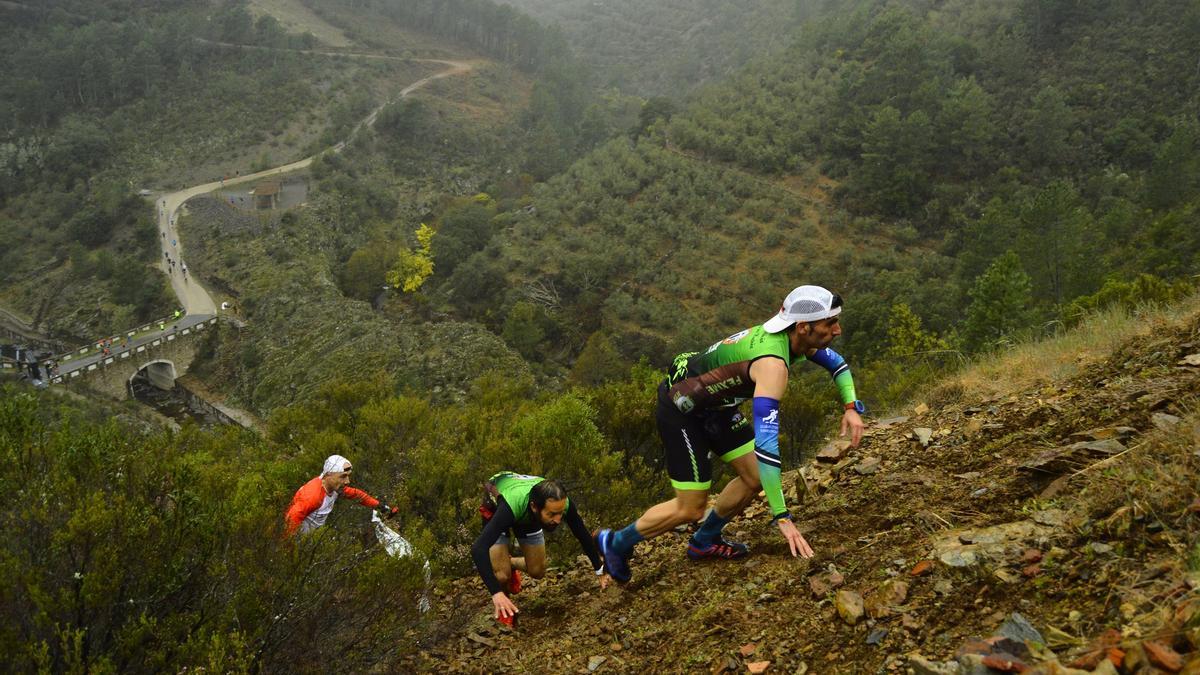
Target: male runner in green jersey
[
  {"x": 526, "y": 505},
  {"x": 698, "y": 413}
]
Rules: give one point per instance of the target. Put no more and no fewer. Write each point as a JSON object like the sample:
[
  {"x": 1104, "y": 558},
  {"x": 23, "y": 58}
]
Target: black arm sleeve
[
  {"x": 575, "y": 522},
  {"x": 498, "y": 525}
]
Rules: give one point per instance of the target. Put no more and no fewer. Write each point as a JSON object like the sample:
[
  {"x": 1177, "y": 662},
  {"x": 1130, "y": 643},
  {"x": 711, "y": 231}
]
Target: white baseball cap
[
  {"x": 804, "y": 303},
  {"x": 335, "y": 464}
]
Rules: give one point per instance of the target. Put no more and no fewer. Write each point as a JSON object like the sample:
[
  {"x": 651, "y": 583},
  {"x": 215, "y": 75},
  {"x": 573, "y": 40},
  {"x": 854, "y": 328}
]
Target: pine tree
[
  {"x": 1001, "y": 303},
  {"x": 906, "y": 336}
]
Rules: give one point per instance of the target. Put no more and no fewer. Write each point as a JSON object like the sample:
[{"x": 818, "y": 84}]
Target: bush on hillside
[{"x": 145, "y": 553}]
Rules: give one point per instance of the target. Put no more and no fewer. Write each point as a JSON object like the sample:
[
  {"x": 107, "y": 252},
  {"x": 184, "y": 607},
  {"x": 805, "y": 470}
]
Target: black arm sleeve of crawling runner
[
  {"x": 575, "y": 522},
  {"x": 498, "y": 525}
]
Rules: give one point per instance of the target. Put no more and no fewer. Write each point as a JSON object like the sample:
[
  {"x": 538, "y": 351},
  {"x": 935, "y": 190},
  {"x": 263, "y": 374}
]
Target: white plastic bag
[{"x": 398, "y": 547}]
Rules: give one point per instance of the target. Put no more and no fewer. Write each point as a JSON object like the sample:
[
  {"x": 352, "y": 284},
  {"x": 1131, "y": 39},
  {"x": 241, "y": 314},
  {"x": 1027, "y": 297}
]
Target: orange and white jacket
[{"x": 311, "y": 505}]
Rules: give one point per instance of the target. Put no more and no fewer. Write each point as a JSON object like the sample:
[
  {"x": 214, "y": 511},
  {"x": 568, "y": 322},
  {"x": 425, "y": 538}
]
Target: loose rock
[
  {"x": 883, "y": 600},
  {"x": 1163, "y": 656},
  {"x": 1164, "y": 421},
  {"x": 921, "y": 569},
  {"x": 849, "y": 606},
  {"x": 868, "y": 466},
  {"x": 922, "y": 666},
  {"x": 1018, "y": 629},
  {"x": 833, "y": 451},
  {"x": 923, "y": 435}
]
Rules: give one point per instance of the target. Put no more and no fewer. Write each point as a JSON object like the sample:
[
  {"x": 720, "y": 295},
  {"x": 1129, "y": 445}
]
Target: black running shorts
[{"x": 688, "y": 440}]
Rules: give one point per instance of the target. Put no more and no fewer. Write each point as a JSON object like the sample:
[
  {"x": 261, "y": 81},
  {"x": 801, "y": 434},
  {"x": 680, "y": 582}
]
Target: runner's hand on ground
[
  {"x": 795, "y": 540},
  {"x": 851, "y": 421},
  {"x": 604, "y": 579},
  {"x": 504, "y": 607}
]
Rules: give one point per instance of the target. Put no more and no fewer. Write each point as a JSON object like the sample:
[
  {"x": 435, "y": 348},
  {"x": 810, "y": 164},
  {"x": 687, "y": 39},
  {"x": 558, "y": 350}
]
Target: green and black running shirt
[
  {"x": 719, "y": 377},
  {"x": 513, "y": 512},
  {"x": 515, "y": 488}
]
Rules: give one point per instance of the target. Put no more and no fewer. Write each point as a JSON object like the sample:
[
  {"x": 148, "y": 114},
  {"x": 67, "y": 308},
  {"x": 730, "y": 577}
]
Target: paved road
[{"x": 189, "y": 290}]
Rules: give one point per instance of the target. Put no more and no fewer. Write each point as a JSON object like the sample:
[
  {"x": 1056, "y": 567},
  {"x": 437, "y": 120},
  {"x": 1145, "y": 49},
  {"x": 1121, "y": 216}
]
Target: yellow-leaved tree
[{"x": 414, "y": 265}]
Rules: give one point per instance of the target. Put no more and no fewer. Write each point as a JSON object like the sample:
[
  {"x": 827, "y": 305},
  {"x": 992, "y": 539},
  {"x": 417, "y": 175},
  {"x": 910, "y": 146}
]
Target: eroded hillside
[{"x": 1059, "y": 510}]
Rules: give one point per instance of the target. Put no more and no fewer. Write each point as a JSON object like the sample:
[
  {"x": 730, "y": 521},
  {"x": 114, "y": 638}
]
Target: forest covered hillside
[
  {"x": 104, "y": 99},
  {"x": 670, "y": 48},
  {"x": 896, "y": 152}
]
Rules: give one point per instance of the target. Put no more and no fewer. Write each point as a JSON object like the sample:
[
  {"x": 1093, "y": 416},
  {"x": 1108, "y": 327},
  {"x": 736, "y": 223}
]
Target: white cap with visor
[
  {"x": 804, "y": 303},
  {"x": 335, "y": 464}
]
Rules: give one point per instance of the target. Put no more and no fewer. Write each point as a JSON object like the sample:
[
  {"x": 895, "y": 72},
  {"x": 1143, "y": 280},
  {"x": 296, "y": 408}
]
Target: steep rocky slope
[{"x": 1050, "y": 525}]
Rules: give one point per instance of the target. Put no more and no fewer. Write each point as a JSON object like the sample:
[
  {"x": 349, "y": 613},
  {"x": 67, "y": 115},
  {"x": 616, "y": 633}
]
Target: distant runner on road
[
  {"x": 314, "y": 501},
  {"x": 698, "y": 414}
]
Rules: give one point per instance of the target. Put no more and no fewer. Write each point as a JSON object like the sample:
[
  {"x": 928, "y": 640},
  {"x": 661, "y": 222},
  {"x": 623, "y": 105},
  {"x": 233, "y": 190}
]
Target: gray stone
[
  {"x": 876, "y": 636},
  {"x": 921, "y": 666},
  {"x": 1100, "y": 548},
  {"x": 1164, "y": 421},
  {"x": 889, "y": 421},
  {"x": 867, "y": 467},
  {"x": 595, "y": 662},
  {"x": 959, "y": 558},
  {"x": 964, "y": 548},
  {"x": 1051, "y": 517},
  {"x": 1018, "y": 629},
  {"x": 972, "y": 664}
]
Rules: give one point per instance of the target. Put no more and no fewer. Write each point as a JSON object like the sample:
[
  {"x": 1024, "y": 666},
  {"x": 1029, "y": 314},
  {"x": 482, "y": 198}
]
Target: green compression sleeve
[{"x": 845, "y": 385}]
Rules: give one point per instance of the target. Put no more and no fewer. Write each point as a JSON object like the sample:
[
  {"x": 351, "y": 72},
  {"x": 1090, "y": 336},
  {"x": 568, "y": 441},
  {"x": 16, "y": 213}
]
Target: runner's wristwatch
[{"x": 857, "y": 406}]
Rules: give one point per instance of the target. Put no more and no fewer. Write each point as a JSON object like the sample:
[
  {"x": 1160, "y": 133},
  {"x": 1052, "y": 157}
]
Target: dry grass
[{"x": 1033, "y": 364}]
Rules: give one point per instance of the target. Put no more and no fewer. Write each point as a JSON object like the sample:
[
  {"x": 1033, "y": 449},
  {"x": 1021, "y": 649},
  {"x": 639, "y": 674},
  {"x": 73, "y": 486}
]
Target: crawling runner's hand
[
  {"x": 504, "y": 607},
  {"x": 795, "y": 540},
  {"x": 604, "y": 579}
]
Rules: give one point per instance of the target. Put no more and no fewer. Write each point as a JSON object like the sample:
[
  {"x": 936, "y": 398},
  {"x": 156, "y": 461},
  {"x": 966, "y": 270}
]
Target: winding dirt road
[{"x": 192, "y": 296}]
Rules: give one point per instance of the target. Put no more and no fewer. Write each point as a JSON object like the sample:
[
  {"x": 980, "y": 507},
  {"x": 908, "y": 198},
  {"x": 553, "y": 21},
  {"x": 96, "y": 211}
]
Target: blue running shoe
[
  {"x": 724, "y": 550},
  {"x": 614, "y": 564}
]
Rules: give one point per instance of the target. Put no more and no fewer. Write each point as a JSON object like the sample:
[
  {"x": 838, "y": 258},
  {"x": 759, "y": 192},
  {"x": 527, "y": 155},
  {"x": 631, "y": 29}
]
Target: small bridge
[{"x": 163, "y": 349}]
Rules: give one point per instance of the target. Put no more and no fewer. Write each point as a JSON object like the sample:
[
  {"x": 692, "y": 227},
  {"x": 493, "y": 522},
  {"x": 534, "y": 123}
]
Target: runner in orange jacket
[{"x": 314, "y": 501}]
